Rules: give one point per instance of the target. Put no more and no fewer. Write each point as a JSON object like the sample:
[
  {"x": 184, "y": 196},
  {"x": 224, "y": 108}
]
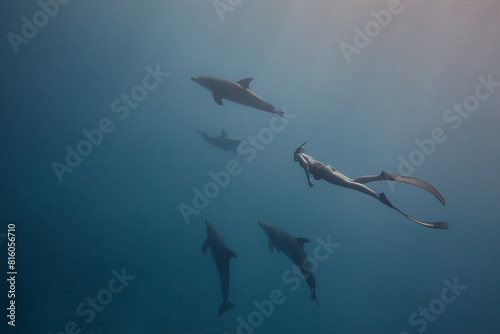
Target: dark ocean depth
[{"x": 106, "y": 183}]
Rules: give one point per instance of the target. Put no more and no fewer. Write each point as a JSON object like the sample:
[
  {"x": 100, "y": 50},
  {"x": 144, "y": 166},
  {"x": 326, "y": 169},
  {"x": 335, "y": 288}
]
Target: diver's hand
[{"x": 310, "y": 183}]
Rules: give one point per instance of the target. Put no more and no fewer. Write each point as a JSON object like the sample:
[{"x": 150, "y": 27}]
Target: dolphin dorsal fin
[
  {"x": 302, "y": 241},
  {"x": 222, "y": 133},
  {"x": 245, "y": 83}
]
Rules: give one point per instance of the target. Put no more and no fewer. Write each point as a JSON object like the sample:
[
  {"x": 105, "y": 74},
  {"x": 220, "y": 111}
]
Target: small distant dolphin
[
  {"x": 223, "y": 142},
  {"x": 294, "y": 249},
  {"x": 238, "y": 92},
  {"x": 221, "y": 255}
]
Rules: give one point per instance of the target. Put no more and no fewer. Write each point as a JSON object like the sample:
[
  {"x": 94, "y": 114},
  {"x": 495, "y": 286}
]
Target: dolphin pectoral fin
[
  {"x": 226, "y": 305},
  {"x": 302, "y": 241},
  {"x": 271, "y": 244},
  {"x": 245, "y": 83},
  {"x": 414, "y": 181},
  {"x": 205, "y": 246},
  {"x": 217, "y": 98}
]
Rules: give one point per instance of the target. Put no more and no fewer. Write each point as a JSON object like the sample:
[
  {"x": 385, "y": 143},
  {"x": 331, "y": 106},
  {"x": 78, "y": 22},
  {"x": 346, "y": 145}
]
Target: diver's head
[{"x": 299, "y": 150}]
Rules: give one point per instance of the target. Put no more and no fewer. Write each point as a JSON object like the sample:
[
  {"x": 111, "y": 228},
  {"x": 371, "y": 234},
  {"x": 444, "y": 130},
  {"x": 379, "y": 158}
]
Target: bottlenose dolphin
[
  {"x": 238, "y": 92},
  {"x": 294, "y": 249},
  {"x": 223, "y": 142},
  {"x": 221, "y": 255}
]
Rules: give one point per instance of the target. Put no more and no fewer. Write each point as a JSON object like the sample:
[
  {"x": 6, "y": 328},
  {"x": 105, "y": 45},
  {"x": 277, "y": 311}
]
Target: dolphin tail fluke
[
  {"x": 436, "y": 225},
  {"x": 313, "y": 297},
  {"x": 226, "y": 305}
]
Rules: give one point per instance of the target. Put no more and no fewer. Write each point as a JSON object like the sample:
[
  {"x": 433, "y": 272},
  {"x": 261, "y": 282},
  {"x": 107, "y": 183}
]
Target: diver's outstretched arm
[
  {"x": 303, "y": 163},
  {"x": 405, "y": 179}
]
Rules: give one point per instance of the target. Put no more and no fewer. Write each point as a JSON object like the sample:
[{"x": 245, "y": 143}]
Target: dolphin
[
  {"x": 223, "y": 142},
  {"x": 221, "y": 255},
  {"x": 238, "y": 92},
  {"x": 294, "y": 249}
]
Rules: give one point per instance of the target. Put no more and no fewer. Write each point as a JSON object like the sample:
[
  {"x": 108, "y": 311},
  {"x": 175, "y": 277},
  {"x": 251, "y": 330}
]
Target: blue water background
[{"x": 120, "y": 207}]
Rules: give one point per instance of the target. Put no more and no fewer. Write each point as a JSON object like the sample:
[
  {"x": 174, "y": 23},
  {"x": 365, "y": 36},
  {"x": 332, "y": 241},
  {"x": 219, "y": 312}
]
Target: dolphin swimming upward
[
  {"x": 221, "y": 255},
  {"x": 294, "y": 249},
  {"x": 238, "y": 92},
  {"x": 223, "y": 142}
]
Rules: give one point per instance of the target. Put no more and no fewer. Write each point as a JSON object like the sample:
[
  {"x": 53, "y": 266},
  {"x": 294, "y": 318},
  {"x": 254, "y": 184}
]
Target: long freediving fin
[
  {"x": 437, "y": 225},
  {"x": 414, "y": 181}
]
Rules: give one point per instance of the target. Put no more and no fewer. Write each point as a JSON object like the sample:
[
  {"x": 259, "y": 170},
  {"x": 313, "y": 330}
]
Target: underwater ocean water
[{"x": 106, "y": 183}]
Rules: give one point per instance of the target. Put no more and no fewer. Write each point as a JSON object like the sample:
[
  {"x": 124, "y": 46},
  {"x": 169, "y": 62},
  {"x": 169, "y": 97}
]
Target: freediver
[{"x": 326, "y": 172}]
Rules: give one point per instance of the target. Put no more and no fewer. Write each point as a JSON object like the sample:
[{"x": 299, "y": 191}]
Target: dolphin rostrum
[
  {"x": 238, "y": 92},
  {"x": 294, "y": 249},
  {"x": 221, "y": 255},
  {"x": 223, "y": 142}
]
